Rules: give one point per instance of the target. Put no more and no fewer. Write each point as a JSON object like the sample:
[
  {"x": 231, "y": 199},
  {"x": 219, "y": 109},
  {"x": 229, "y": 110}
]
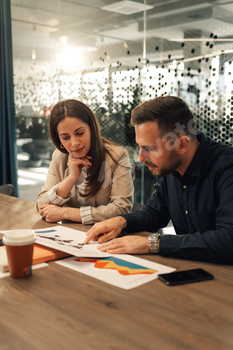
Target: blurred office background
[{"x": 112, "y": 55}]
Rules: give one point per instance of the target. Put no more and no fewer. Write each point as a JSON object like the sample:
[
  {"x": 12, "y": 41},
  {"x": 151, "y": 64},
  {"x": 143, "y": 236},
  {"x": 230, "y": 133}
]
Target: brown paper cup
[{"x": 19, "y": 247}]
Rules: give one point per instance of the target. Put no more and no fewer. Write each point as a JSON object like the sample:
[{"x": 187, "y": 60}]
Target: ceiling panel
[{"x": 111, "y": 37}]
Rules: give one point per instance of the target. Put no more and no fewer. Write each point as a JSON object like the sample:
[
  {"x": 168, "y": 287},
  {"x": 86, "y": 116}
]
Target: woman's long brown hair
[{"x": 77, "y": 109}]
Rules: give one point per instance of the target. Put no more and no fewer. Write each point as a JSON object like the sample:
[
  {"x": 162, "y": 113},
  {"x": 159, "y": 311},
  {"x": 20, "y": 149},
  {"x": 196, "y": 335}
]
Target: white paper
[
  {"x": 68, "y": 240},
  {"x": 127, "y": 273}
]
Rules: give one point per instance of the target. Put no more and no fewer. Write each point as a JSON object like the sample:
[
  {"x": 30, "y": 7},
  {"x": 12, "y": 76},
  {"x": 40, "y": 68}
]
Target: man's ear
[{"x": 183, "y": 144}]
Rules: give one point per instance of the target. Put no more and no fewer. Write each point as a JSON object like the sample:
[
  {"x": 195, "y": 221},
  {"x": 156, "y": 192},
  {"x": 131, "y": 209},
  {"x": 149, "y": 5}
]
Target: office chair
[
  {"x": 137, "y": 206},
  {"x": 8, "y": 189}
]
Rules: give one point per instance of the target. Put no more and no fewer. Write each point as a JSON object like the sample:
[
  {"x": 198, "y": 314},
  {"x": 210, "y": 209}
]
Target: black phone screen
[{"x": 187, "y": 276}]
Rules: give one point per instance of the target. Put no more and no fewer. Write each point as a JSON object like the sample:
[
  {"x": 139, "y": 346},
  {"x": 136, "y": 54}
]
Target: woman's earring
[{"x": 61, "y": 145}]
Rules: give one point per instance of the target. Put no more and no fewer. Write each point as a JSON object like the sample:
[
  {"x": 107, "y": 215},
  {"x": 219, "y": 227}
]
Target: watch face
[{"x": 154, "y": 236}]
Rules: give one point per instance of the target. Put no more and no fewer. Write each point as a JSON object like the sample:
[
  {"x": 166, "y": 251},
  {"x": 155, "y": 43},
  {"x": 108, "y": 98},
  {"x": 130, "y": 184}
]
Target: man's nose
[{"x": 143, "y": 155}]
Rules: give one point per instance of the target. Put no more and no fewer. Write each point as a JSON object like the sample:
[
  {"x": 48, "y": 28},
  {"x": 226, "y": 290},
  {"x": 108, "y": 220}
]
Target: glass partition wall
[{"x": 113, "y": 55}]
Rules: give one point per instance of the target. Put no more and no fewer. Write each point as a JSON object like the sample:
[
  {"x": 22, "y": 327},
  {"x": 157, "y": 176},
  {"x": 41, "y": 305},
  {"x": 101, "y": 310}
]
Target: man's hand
[
  {"x": 53, "y": 213},
  {"x": 126, "y": 245},
  {"x": 106, "y": 230}
]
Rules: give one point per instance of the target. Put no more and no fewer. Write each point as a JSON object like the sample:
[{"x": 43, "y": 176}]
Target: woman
[{"x": 89, "y": 178}]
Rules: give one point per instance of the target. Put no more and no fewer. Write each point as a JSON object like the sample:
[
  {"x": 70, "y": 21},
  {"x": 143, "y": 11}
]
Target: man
[{"x": 194, "y": 189}]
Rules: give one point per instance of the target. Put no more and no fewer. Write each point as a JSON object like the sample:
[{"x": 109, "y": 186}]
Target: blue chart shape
[
  {"x": 47, "y": 231},
  {"x": 124, "y": 263}
]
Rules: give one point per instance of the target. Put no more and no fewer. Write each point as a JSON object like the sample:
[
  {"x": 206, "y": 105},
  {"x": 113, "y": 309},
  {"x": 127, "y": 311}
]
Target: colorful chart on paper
[
  {"x": 120, "y": 270},
  {"x": 125, "y": 268}
]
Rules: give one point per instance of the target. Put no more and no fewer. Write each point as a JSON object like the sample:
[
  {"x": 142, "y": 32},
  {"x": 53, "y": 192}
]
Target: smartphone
[{"x": 187, "y": 276}]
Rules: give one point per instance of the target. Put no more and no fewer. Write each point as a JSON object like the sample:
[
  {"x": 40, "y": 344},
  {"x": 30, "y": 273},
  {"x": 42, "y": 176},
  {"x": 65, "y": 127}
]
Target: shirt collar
[{"x": 195, "y": 166}]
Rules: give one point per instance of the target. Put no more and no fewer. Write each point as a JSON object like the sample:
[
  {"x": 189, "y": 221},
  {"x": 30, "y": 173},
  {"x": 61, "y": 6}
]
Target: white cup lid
[{"x": 19, "y": 237}]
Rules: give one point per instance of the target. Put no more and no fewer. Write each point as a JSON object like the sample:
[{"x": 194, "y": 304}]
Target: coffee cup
[{"x": 19, "y": 247}]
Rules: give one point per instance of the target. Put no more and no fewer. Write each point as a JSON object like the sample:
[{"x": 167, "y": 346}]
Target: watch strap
[{"x": 153, "y": 242}]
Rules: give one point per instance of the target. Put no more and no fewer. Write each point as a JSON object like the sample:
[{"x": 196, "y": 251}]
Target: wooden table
[{"x": 58, "y": 308}]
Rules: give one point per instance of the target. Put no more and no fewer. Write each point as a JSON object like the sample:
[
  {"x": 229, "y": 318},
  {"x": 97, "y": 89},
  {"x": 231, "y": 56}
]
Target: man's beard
[{"x": 173, "y": 163}]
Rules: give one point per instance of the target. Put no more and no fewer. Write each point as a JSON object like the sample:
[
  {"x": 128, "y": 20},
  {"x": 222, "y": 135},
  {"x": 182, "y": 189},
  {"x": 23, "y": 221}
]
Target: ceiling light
[
  {"x": 126, "y": 7},
  {"x": 63, "y": 39},
  {"x": 70, "y": 57},
  {"x": 33, "y": 54}
]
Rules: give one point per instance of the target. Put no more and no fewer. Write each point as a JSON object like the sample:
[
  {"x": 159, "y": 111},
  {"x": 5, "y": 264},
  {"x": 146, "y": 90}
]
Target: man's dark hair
[{"x": 169, "y": 112}]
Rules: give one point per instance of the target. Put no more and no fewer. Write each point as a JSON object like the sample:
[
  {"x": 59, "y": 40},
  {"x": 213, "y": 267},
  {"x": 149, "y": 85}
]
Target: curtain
[{"x": 8, "y": 153}]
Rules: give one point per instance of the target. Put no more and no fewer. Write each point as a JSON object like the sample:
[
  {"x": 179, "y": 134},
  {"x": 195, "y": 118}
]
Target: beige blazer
[{"x": 116, "y": 194}]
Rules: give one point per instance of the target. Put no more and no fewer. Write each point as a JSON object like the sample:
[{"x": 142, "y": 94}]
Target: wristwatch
[{"x": 153, "y": 241}]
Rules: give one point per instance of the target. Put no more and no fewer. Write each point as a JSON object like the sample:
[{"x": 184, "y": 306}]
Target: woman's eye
[{"x": 65, "y": 138}]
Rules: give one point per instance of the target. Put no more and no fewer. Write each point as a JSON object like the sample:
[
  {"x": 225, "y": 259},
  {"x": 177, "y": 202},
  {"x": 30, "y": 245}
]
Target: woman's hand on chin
[{"x": 76, "y": 165}]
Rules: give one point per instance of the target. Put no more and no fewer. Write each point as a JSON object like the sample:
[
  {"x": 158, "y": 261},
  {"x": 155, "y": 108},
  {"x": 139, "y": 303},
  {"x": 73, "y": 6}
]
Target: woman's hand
[
  {"x": 53, "y": 213},
  {"x": 76, "y": 165}
]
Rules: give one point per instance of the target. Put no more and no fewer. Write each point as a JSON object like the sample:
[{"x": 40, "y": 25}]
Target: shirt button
[
  {"x": 186, "y": 211},
  {"x": 184, "y": 186}
]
